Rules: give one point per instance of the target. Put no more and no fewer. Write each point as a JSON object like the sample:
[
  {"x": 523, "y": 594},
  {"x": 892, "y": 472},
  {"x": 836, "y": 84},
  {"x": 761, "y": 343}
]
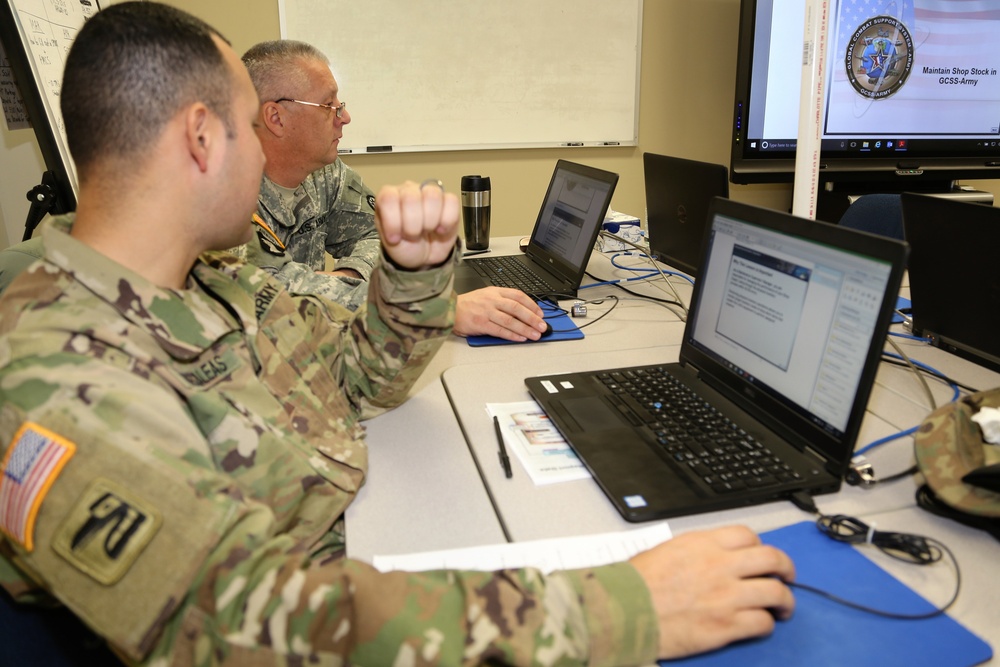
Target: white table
[{"x": 436, "y": 483}]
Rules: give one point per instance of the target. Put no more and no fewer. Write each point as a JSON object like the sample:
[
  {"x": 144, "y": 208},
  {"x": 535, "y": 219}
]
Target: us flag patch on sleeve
[{"x": 33, "y": 462}]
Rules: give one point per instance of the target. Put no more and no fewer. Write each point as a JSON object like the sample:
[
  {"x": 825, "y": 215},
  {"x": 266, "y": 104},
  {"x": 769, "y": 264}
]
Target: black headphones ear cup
[
  {"x": 986, "y": 477},
  {"x": 927, "y": 500}
]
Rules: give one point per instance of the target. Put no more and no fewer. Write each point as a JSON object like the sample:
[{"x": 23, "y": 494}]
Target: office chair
[
  {"x": 877, "y": 213},
  {"x": 50, "y": 637}
]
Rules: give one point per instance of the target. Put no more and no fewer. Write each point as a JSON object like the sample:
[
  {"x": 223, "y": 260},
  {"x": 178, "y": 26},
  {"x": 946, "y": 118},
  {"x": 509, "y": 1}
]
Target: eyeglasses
[{"x": 339, "y": 110}]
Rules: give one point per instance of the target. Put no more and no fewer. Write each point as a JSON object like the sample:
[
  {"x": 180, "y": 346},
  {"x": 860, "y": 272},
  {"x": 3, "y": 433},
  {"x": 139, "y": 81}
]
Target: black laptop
[
  {"x": 954, "y": 282},
  {"x": 677, "y": 195},
  {"x": 786, "y": 326},
  {"x": 553, "y": 265}
]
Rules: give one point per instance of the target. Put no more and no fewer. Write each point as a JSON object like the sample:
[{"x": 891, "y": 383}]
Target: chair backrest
[
  {"x": 876, "y": 213},
  {"x": 51, "y": 637}
]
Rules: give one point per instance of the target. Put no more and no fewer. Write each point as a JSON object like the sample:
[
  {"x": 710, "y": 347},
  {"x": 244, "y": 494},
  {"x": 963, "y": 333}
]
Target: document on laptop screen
[
  {"x": 793, "y": 316},
  {"x": 573, "y": 203}
]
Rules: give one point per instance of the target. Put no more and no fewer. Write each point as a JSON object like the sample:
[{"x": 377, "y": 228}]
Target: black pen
[
  {"x": 469, "y": 253},
  {"x": 504, "y": 459}
]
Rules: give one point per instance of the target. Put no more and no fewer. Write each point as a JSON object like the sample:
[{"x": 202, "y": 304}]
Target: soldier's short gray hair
[{"x": 275, "y": 67}]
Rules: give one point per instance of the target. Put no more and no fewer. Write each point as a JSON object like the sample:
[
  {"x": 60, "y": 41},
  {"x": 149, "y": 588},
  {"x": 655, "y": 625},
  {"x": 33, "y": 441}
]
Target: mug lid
[{"x": 476, "y": 183}]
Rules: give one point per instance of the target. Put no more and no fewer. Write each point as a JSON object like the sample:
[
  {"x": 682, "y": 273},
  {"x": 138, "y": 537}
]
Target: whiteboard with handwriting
[{"x": 47, "y": 29}]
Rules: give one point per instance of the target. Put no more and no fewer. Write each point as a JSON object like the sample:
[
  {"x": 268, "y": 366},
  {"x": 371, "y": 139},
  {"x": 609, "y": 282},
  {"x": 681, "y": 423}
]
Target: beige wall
[{"x": 685, "y": 110}]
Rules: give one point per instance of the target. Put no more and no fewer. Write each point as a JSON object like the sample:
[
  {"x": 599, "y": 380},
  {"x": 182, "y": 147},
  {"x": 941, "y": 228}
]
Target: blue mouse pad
[
  {"x": 563, "y": 328},
  {"x": 826, "y": 633}
]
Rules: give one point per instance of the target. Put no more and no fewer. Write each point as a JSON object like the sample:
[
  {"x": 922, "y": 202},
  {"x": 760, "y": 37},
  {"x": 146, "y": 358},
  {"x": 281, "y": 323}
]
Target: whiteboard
[
  {"x": 464, "y": 74},
  {"x": 46, "y": 29}
]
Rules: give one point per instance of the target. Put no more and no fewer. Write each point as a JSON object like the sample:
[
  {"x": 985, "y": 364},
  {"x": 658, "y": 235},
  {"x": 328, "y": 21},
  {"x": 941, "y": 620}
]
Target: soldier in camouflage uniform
[
  {"x": 180, "y": 435},
  {"x": 333, "y": 212},
  {"x": 311, "y": 204}
]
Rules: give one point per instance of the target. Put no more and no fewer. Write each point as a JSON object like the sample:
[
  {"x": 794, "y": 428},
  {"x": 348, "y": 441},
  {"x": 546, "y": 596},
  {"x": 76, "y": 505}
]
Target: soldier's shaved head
[{"x": 131, "y": 68}]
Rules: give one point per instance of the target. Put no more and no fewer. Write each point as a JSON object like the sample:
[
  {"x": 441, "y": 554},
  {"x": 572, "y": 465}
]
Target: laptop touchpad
[{"x": 591, "y": 413}]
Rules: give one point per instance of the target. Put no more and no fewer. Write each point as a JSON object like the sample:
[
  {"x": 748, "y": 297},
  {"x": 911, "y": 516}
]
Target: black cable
[
  {"x": 593, "y": 321},
  {"x": 553, "y": 306},
  {"x": 901, "y": 546},
  {"x": 899, "y": 475},
  {"x": 907, "y": 547}
]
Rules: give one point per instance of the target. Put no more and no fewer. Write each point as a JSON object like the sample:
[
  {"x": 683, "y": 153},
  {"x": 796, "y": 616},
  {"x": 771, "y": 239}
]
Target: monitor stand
[
  {"x": 44, "y": 199},
  {"x": 834, "y": 198}
]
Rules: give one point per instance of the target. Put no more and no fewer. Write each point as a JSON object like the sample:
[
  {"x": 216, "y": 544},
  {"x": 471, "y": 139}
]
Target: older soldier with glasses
[{"x": 313, "y": 206}]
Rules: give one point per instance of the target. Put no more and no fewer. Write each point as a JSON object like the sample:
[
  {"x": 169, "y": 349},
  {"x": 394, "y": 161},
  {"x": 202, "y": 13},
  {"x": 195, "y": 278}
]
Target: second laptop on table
[
  {"x": 781, "y": 344},
  {"x": 568, "y": 222},
  {"x": 678, "y": 192},
  {"x": 954, "y": 282}
]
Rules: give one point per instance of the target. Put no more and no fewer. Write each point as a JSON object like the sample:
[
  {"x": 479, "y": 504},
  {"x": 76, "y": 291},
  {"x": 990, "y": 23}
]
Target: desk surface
[{"x": 435, "y": 482}]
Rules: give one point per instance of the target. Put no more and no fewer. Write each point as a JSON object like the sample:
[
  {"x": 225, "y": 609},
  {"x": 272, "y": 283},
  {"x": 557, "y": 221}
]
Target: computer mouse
[{"x": 548, "y": 329}]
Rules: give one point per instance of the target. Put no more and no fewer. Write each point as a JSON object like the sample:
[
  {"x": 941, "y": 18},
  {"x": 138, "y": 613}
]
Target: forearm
[
  {"x": 406, "y": 319},
  {"x": 280, "y": 604}
]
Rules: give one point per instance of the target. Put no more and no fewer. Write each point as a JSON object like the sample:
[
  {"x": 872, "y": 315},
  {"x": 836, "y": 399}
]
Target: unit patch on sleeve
[
  {"x": 269, "y": 243},
  {"x": 33, "y": 462},
  {"x": 106, "y": 531}
]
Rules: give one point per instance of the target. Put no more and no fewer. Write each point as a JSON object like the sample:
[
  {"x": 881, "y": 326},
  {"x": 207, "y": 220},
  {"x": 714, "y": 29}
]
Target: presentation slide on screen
[
  {"x": 927, "y": 67},
  {"x": 762, "y": 305}
]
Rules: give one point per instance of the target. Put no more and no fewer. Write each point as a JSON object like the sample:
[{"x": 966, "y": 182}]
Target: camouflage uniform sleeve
[
  {"x": 351, "y": 238},
  {"x": 379, "y": 353},
  {"x": 263, "y": 252},
  {"x": 186, "y": 569},
  {"x": 299, "y": 278},
  {"x": 272, "y": 606}
]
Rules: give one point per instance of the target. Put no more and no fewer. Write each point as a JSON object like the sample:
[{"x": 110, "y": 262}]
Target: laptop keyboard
[
  {"x": 506, "y": 271},
  {"x": 705, "y": 443}
]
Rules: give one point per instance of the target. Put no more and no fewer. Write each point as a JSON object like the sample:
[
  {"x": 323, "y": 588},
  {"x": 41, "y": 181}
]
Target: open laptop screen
[
  {"x": 574, "y": 206},
  {"x": 793, "y": 317}
]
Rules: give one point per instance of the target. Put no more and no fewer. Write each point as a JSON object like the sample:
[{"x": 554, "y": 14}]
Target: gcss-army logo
[{"x": 879, "y": 57}]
